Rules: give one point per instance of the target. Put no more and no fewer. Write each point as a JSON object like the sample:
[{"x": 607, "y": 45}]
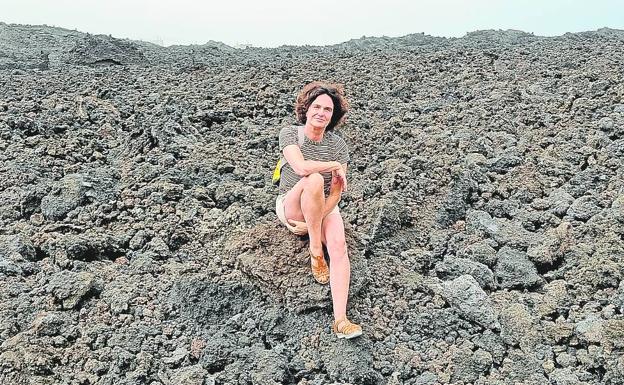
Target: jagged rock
[
  {"x": 191, "y": 375},
  {"x": 523, "y": 367},
  {"x": 614, "y": 333},
  {"x": 348, "y": 362},
  {"x": 512, "y": 234},
  {"x": 590, "y": 329},
  {"x": 77, "y": 189},
  {"x": 555, "y": 298},
  {"x": 616, "y": 148},
  {"x": 477, "y": 220},
  {"x": 197, "y": 298},
  {"x": 560, "y": 201},
  {"x": 271, "y": 368},
  {"x": 502, "y": 231},
  {"x": 583, "y": 208},
  {"x": 469, "y": 365},
  {"x": 513, "y": 269},
  {"x": 17, "y": 247},
  {"x": 555, "y": 333},
  {"x": 481, "y": 252},
  {"x": 517, "y": 327},
  {"x": 280, "y": 265},
  {"x": 136, "y": 179},
  {"x": 138, "y": 240},
  {"x": 504, "y": 163},
  {"x": 565, "y": 359},
  {"x": 618, "y": 299},
  {"x": 564, "y": 376},
  {"x": 595, "y": 271},
  {"x": 50, "y": 323},
  {"x": 89, "y": 246},
  {"x": 456, "y": 204},
  {"x": 592, "y": 178},
  {"x": 502, "y": 208},
  {"x": 8, "y": 267},
  {"x": 68, "y": 194},
  {"x": 553, "y": 246},
  {"x": 390, "y": 217},
  {"x": 176, "y": 357},
  {"x": 158, "y": 246},
  {"x": 492, "y": 343},
  {"x": 427, "y": 378},
  {"x": 99, "y": 50},
  {"x": 470, "y": 300},
  {"x": 617, "y": 208},
  {"x": 454, "y": 267},
  {"x": 17, "y": 254},
  {"x": 117, "y": 297},
  {"x": 70, "y": 288}
]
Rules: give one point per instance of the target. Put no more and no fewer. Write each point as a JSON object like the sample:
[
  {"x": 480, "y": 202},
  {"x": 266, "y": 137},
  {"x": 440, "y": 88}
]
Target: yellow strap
[{"x": 277, "y": 172}]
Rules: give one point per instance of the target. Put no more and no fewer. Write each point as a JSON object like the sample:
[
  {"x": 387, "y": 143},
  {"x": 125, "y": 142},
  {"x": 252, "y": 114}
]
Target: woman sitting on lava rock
[{"x": 312, "y": 181}]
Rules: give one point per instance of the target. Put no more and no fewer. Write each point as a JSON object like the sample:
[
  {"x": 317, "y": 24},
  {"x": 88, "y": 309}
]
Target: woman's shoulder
[
  {"x": 289, "y": 128},
  {"x": 334, "y": 137}
]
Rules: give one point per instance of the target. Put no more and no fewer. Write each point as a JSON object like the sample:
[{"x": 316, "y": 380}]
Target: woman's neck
[{"x": 315, "y": 134}]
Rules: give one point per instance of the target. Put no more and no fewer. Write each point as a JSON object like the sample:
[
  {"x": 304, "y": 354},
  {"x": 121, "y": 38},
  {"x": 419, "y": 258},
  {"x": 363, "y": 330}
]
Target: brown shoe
[
  {"x": 320, "y": 270},
  {"x": 346, "y": 329}
]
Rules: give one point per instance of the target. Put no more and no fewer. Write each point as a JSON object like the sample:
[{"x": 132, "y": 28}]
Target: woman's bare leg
[
  {"x": 306, "y": 200},
  {"x": 339, "y": 266}
]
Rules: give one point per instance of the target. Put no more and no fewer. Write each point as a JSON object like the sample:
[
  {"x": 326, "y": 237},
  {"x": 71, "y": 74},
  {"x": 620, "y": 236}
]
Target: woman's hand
[
  {"x": 339, "y": 177},
  {"x": 297, "y": 227}
]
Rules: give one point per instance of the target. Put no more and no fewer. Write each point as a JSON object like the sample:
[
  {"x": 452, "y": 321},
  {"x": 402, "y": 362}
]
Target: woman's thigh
[{"x": 292, "y": 202}]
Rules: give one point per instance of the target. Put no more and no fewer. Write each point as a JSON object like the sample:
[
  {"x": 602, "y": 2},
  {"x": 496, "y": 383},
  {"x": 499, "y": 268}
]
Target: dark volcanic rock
[
  {"x": 16, "y": 254},
  {"x": 485, "y": 212},
  {"x": 514, "y": 270},
  {"x": 458, "y": 199},
  {"x": 70, "y": 288},
  {"x": 471, "y": 301},
  {"x": 100, "y": 50},
  {"x": 68, "y": 194},
  {"x": 77, "y": 189},
  {"x": 454, "y": 267}
]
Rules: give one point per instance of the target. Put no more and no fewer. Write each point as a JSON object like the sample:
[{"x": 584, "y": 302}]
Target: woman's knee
[
  {"x": 314, "y": 180},
  {"x": 337, "y": 247}
]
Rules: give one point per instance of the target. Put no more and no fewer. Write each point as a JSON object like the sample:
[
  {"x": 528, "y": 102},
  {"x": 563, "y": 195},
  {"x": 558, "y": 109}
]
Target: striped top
[{"x": 330, "y": 148}]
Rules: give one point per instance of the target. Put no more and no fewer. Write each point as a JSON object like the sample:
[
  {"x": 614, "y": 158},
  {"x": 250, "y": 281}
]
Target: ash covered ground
[{"x": 138, "y": 242}]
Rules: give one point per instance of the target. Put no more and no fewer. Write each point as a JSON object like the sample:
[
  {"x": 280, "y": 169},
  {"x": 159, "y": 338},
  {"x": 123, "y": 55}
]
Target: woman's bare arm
[
  {"x": 302, "y": 167},
  {"x": 338, "y": 186}
]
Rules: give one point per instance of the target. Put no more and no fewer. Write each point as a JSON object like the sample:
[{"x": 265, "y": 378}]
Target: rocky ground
[{"x": 138, "y": 243}]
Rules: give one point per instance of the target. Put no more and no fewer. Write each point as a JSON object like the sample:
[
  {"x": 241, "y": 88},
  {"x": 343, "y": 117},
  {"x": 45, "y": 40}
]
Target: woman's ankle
[{"x": 316, "y": 251}]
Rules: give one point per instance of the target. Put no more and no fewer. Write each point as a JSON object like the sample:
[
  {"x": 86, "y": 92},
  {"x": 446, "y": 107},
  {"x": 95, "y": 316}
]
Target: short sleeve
[
  {"x": 342, "y": 152},
  {"x": 287, "y": 136}
]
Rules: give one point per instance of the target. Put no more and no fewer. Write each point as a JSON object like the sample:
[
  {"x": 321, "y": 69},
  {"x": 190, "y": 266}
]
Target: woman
[{"x": 312, "y": 182}]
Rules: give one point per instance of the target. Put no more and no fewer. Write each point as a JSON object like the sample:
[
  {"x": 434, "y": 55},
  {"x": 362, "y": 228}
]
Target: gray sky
[{"x": 271, "y": 23}]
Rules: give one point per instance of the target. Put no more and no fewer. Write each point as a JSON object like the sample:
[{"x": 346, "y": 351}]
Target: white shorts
[{"x": 279, "y": 209}]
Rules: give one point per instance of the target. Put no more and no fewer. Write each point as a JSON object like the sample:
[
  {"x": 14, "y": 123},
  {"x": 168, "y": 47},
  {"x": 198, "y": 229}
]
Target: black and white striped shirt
[{"x": 330, "y": 148}]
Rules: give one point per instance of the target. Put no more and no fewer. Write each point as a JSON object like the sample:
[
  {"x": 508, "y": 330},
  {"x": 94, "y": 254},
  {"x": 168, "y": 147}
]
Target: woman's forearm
[
  {"x": 332, "y": 200},
  {"x": 308, "y": 167}
]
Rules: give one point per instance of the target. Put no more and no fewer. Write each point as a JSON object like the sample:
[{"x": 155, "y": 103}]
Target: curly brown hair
[{"x": 312, "y": 91}]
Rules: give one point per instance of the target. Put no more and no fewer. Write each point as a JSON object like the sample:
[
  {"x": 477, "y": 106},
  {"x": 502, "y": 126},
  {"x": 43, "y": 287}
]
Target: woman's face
[{"x": 320, "y": 111}]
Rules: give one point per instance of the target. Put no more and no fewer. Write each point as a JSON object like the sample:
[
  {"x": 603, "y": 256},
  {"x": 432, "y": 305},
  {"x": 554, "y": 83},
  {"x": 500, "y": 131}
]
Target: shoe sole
[{"x": 349, "y": 336}]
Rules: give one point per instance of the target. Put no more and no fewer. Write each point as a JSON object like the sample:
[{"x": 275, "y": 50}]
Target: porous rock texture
[{"x": 485, "y": 212}]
